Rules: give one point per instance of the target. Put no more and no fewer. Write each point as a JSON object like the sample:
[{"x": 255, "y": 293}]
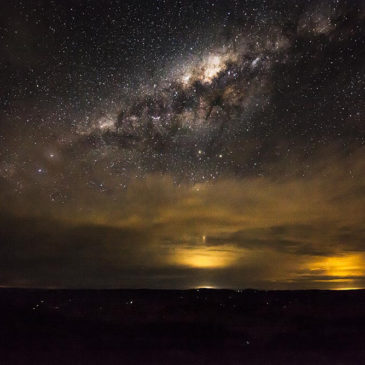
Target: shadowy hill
[{"x": 181, "y": 326}]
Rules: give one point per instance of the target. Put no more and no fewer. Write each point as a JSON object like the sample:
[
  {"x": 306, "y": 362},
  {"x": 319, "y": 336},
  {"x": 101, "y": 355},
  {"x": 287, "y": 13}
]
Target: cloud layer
[{"x": 271, "y": 233}]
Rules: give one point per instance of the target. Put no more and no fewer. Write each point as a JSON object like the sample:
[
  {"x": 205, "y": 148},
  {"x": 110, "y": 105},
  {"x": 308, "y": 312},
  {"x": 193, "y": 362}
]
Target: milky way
[{"x": 190, "y": 139}]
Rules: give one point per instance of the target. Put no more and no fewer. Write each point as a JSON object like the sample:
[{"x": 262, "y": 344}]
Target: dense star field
[{"x": 177, "y": 144}]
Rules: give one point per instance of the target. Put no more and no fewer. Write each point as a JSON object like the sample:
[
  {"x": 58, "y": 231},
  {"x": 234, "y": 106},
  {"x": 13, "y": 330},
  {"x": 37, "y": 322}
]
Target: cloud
[{"x": 232, "y": 232}]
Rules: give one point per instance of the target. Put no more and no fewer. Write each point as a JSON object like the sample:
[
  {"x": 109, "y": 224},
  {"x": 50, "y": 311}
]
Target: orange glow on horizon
[
  {"x": 344, "y": 269},
  {"x": 205, "y": 257},
  {"x": 346, "y": 265}
]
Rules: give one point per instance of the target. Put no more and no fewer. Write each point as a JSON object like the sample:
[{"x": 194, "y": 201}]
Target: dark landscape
[{"x": 199, "y": 326}]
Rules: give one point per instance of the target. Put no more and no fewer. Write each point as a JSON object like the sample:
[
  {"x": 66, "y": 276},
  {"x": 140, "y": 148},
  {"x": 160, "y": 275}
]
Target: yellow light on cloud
[
  {"x": 204, "y": 257},
  {"x": 344, "y": 270},
  {"x": 346, "y": 265}
]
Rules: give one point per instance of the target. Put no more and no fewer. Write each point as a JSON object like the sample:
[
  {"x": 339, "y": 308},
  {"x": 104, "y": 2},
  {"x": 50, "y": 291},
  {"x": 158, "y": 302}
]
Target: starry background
[{"x": 174, "y": 144}]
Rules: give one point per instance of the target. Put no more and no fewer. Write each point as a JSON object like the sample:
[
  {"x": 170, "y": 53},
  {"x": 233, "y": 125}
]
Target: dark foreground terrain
[{"x": 181, "y": 327}]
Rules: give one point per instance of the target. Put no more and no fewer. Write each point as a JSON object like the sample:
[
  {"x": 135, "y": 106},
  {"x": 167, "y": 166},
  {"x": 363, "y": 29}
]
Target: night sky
[{"x": 177, "y": 144}]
